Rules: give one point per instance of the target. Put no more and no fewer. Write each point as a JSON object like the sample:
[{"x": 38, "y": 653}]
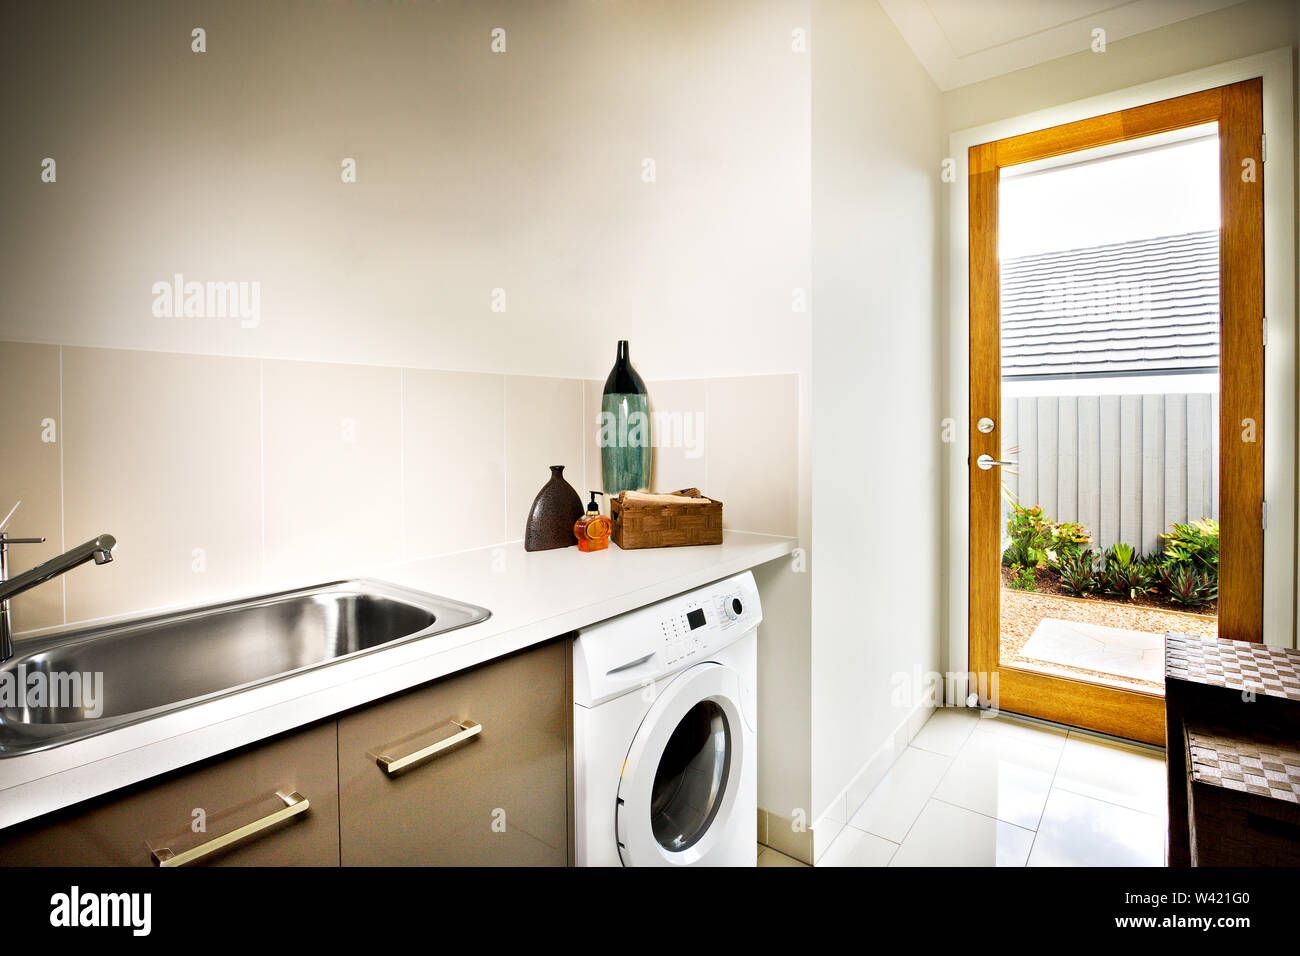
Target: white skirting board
[{"x": 849, "y": 800}]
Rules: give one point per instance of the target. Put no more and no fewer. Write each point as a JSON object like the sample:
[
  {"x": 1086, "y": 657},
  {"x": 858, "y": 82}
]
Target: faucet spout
[{"x": 98, "y": 549}]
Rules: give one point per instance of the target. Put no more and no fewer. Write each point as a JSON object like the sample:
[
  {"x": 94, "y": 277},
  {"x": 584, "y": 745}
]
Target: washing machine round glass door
[{"x": 677, "y": 793}]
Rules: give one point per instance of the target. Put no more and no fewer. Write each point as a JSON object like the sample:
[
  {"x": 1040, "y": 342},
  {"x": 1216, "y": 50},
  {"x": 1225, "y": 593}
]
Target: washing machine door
[{"x": 678, "y": 791}]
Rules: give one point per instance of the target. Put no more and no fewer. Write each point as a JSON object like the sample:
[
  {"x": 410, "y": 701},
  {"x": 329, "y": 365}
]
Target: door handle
[{"x": 986, "y": 462}]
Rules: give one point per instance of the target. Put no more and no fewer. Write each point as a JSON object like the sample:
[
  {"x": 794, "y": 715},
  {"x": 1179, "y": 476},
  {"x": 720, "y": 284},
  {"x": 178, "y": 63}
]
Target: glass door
[{"x": 1116, "y": 400}]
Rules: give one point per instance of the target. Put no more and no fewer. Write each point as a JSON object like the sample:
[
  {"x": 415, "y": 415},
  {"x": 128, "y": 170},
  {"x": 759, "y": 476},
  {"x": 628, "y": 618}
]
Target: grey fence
[{"x": 1124, "y": 466}]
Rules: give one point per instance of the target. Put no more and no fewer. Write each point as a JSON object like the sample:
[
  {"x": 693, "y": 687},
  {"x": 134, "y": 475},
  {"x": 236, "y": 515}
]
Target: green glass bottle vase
[{"x": 624, "y": 429}]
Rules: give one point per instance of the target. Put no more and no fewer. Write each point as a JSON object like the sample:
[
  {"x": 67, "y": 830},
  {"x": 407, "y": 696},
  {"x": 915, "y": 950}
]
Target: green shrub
[
  {"x": 1023, "y": 578},
  {"x": 1194, "y": 545},
  {"x": 1188, "y": 567},
  {"x": 1078, "y": 572},
  {"x": 1121, "y": 556},
  {"x": 1030, "y": 538},
  {"x": 1019, "y": 553},
  {"x": 1188, "y": 587},
  {"x": 1126, "y": 582},
  {"x": 1036, "y": 541},
  {"x": 1069, "y": 537}
]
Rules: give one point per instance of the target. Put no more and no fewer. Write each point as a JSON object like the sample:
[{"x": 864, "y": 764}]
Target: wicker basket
[
  {"x": 663, "y": 526},
  {"x": 1243, "y": 794}
]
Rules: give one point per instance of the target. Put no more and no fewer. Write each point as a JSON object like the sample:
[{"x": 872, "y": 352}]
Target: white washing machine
[{"x": 664, "y": 721}]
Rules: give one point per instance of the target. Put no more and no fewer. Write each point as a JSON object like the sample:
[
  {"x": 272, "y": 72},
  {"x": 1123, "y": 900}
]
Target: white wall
[
  {"x": 877, "y": 564},
  {"x": 476, "y": 171}
]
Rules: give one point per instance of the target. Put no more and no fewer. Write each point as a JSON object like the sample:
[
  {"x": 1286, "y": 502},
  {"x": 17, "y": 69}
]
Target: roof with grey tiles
[{"x": 1147, "y": 306}]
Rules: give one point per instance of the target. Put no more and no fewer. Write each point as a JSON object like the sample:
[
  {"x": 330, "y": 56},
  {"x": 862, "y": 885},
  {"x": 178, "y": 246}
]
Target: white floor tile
[
  {"x": 944, "y": 835},
  {"x": 946, "y": 730},
  {"x": 1027, "y": 731},
  {"x": 853, "y": 847},
  {"x": 1080, "y": 831},
  {"x": 1001, "y": 775},
  {"x": 898, "y": 799},
  {"x": 1114, "y": 773}
]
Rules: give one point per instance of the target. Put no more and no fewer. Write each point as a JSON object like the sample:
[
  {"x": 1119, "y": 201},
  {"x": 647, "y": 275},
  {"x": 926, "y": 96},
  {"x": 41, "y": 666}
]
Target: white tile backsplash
[
  {"x": 543, "y": 428},
  {"x": 736, "y": 439},
  {"x": 332, "y": 453},
  {"x": 453, "y": 461},
  {"x": 31, "y": 435},
  {"x": 752, "y": 451},
  {"x": 680, "y": 418},
  {"x": 224, "y": 476},
  {"x": 160, "y": 451}
]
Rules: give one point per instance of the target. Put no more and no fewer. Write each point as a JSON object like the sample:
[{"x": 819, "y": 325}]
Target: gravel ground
[{"x": 1021, "y": 612}]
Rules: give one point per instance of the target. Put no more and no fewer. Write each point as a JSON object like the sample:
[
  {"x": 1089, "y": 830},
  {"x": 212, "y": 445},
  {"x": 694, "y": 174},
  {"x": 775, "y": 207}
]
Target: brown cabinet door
[
  {"x": 496, "y": 794},
  {"x": 191, "y": 812}
]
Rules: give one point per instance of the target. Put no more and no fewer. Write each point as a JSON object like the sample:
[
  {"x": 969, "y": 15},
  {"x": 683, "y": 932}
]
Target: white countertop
[{"x": 532, "y": 596}]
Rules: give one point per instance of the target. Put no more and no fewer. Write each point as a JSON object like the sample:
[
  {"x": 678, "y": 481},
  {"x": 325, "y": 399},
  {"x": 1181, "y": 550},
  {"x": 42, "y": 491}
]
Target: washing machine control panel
[
  {"x": 641, "y": 646},
  {"x": 695, "y": 625},
  {"x": 682, "y": 634}
]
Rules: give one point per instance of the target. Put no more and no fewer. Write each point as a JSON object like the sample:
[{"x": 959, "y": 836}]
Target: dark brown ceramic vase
[{"x": 552, "y": 516}]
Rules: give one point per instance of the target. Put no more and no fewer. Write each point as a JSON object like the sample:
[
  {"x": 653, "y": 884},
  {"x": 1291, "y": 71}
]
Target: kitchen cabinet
[
  {"x": 282, "y": 796},
  {"x": 472, "y": 769}
]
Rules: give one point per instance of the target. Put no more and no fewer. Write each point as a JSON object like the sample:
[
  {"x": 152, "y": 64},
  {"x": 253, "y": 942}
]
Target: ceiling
[{"x": 964, "y": 41}]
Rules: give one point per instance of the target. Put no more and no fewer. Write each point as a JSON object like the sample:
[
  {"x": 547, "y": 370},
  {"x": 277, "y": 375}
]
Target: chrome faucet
[{"x": 99, "y": 550}]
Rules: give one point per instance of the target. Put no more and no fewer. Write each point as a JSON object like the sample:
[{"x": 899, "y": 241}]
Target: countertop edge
[{"x": 30, "y": 787}]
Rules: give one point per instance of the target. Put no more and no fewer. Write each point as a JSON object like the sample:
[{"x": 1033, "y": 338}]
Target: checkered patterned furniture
[
  {"x": 1233, "y": 732},
  {"x": 1260, "y": 766},
  {"x": 1234, "y": 665}
]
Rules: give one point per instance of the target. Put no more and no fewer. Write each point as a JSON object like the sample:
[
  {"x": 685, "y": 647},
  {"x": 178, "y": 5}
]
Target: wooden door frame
[{"x": 1238, "y": 110}]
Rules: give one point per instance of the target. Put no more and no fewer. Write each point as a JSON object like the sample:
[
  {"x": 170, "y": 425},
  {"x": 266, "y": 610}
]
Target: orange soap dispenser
[{"x": 592, "y": 529}]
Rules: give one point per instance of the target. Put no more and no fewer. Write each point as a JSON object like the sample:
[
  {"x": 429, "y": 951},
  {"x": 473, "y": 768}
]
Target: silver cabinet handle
[
  {"x": 395, "y": 765},
  {"x": 988, "y": 461},
  {"x": 294, "y": 805}
]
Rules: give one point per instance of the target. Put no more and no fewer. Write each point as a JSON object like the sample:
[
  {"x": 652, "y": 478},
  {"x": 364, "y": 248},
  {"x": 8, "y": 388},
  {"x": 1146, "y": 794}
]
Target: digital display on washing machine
[{"x": 695, "y": 618}]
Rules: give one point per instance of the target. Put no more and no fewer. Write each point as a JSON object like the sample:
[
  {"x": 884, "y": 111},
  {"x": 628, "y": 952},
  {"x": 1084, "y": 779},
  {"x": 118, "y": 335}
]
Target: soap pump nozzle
[{"x": 592, "y": 507}]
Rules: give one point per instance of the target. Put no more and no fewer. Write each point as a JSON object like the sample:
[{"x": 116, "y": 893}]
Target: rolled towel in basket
[{"x": 689, "y": 496}]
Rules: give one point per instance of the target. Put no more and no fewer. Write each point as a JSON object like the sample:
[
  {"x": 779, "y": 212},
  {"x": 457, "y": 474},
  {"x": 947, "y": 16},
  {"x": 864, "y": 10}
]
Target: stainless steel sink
[{"x": 101, "y": 678}]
